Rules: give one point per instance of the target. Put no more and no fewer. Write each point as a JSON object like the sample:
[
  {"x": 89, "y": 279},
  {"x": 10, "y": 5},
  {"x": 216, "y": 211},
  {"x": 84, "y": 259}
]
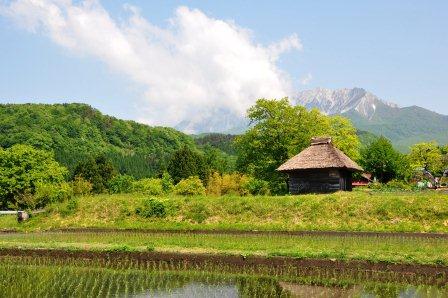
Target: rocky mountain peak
[{"x": 339, "y": 101}]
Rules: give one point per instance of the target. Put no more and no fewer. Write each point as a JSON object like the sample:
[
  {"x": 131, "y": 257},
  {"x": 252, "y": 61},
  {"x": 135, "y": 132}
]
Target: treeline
[
  {"x": 53, "y": 152},
  {"x": 77, "y": 131}
]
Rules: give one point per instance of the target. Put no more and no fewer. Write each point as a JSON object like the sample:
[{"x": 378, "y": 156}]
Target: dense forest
[
  {"x": 77, "y": 131},
  {"x": 223, "y": 142}
]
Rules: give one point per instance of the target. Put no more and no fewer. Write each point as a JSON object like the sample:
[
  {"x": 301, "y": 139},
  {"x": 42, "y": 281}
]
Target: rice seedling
[
  {"x": 391, "y": 249},
  {"x": 37, "y": 277}
]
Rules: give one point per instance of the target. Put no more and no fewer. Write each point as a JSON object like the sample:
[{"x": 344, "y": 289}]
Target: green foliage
[
  {"x": 151, "y": 208},
  {"x": 121, "y": 184},
  {"x": 81, "y": 187},
  {"x": 399, "y": 185},
  {"x": 47, "y": 193},
  {"x": 227, "y": 184},
  {"x": 257, "y": 187},
  {"x": 22, "y": 168},
  {"x": 149, "y": 186},
  {"x": 392, "y": 185},
  {"x": 198, "y": 212},
  {"x": 223, "y": 142},
  {"x": 77, "y": 131},
  {"x": 185, "y": 163},
  {"x": 410, "y": 211},
  {"x": 218, "y": 161},
  {"x": 280, "y": 131},
  {"x": 167, "y": 182},
  {"x": 426, "y": 155},
  {"x": 69, "y": 207},
  {"x": 383, "y": 161},
  {"x": 444, "y": 181},
  {"x": 97, "y": 171},
  {"x": 236, "y": 184},
  {"x": 119, "y": 248},
  {"x": 190, "y": 187}
]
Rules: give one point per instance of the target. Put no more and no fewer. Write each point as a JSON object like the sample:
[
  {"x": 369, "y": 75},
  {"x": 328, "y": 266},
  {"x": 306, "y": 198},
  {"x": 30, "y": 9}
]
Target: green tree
[
  {"x": 22, "y": 169},
  {"x": 383, "y": 161},
  {"x": 279, "y": 131},
  {"x": 444, "y": 151},
  {"x": 217, "y": 160},
  {"x": 97, "y": 171},
  {"x": 426, "y": 155},
  {"x": 185, "y": 163}
]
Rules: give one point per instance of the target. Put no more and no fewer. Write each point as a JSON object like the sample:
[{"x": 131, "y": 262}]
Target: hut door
[{"x": 342, "y": 182}]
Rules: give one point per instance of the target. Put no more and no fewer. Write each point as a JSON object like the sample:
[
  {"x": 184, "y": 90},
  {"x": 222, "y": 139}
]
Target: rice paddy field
[
  {"x": 83, "y": 277},
  {"x": 359, "y": 244},
  {"x": 391, "y": 249}
]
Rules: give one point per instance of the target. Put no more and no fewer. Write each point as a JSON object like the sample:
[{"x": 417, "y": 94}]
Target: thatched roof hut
[{"x": 319, "y": 168}]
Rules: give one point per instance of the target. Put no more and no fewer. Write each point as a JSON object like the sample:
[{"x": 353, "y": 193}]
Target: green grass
[
  {"x": 371, "y": 248},
  {"x": 354, "y": 211}
]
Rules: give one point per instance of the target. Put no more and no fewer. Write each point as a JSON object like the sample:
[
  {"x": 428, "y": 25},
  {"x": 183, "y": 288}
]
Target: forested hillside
[
  {"x": 75, "y": 131},
  {"x": 404, "y": 126},
  {"x": 223, "y": 142}
]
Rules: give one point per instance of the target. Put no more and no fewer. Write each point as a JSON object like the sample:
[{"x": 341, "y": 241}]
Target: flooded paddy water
[{"x": 42, "y": 273}]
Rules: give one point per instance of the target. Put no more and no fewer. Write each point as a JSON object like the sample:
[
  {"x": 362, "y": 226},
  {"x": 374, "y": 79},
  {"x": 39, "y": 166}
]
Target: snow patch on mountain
[{"x": 341, "y": 101}]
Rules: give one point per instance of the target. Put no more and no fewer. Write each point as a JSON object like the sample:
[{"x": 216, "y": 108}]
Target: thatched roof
[{"x": 320, "y": 155}]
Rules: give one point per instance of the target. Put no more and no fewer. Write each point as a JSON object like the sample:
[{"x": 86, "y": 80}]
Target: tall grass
[{"x": 355, "y": 211}]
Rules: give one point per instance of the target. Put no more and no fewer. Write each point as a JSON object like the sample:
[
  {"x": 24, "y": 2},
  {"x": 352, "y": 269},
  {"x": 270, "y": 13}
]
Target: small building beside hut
[{"x": 320, "y": 168}]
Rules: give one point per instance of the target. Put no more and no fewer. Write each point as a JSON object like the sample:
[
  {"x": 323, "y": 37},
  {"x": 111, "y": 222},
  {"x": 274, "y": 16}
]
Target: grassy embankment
[
  {"x": 404, "y": 250},
  {"x": 355, "y": 211}
]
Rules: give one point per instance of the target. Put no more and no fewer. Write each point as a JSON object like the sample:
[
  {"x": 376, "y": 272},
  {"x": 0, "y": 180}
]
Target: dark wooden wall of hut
[{"x": 319, "y": 181}]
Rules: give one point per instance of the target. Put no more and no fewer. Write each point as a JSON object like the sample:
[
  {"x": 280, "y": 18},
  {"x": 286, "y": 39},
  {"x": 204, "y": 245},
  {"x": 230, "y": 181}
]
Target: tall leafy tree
[
  {"x": 279, "y": 131},
  {"x": 427, "y": 155},
  {"x": 21, "y": 168},
  {"x": 185, "y": 163},
  {"x": 383, "y": 161},
  {"x": 98, "y": 171}
]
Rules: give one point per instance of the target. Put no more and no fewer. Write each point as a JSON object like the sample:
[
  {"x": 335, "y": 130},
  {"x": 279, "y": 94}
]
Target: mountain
[
  {"x": 342, "y": 101},
  {"x": 404, "y": 126},
  {"x": 75, "y": 131}
]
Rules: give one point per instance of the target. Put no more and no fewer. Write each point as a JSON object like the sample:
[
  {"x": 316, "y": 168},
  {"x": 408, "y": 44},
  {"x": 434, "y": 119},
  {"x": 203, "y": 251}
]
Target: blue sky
[{"x": 224, "y": 53}]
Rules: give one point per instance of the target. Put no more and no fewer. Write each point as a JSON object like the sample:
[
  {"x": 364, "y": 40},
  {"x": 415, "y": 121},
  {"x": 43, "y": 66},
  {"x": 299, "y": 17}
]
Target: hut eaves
[{"x": 320, "y": 155}]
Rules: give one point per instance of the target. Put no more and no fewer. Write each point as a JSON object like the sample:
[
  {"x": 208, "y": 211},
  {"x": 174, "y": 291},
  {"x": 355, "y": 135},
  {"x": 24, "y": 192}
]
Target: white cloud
[
  {"x": 193, "y": 66},
  {"x": 306, "y": 79}
]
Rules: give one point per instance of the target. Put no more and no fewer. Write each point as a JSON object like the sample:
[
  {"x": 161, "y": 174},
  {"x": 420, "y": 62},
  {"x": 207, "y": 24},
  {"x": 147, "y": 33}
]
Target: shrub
[
  {"x": 121, "y": 184},
  {"x": 257, "y": 187},
  {"x": 214, "y": 184},
  {"x": 393, "y": 185},
  {"x": 444, "y": 181},
  {"x": 69, "y": 208},
  {"x": 149, "y": 186},
  {"x": 81, "y": 187},
  {"x": 190, "y": 187},
  {"x": 227, "y": 184},
  {"x": 167, "y": 183},
  {"x": 198, "y": 212},
  {"x": 398, "y": 185},
  {"x": 151, "y": 208},
  {"x": 47, "y": 193}
]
